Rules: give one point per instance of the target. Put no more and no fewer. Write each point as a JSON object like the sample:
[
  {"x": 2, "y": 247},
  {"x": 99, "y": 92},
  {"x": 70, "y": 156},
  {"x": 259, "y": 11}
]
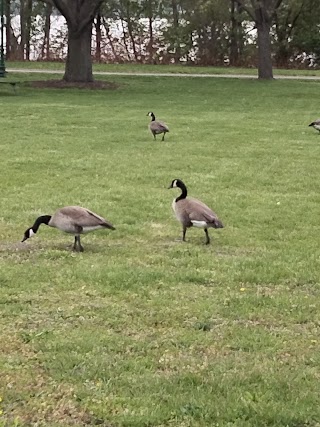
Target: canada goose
[
  {"x": 73, "y": 220},
  {"x": 157, "y": 127},
  {"x": 192, "y": 212},
  {"x": 316, "y": 124}
]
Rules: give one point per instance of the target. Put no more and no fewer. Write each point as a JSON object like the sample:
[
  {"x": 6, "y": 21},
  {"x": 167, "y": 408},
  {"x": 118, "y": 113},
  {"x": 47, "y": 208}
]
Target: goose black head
[
  {"x": 151, "y": 114},
  {"x": 177, "y": 183},
  {"x": 27, "y": 234}
]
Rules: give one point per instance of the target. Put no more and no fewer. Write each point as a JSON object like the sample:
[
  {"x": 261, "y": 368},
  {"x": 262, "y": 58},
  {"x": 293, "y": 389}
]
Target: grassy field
[
  {"x": 138, "y": 68},
  {"x": 142, "y": 329}
]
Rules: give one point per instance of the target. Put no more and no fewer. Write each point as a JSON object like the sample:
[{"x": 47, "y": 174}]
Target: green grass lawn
[
  {"x": 142, "y": 68},
  {"x": 142, "y": 329}
]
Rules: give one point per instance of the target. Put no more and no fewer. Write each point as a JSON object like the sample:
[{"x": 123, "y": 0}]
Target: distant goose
[
  {"x": 157, "y": 127},
  {"x": 73, "y": 220},
  {"x": 192, "y": 212},
  {"x": 316, "y": 124}
]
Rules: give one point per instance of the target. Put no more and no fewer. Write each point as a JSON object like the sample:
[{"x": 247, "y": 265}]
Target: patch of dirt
[{"x": 61, "y": 84}]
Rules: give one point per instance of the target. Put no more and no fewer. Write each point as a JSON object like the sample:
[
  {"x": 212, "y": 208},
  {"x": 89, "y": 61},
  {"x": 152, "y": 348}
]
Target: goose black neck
[
  {"x": 44, "y": 219},
  {"x": 184, "y": 192},
  {"x": 153, "y": 117}
]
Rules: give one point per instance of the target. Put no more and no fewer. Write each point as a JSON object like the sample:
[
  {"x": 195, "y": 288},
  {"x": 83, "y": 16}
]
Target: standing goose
[
  {"x": 157, "y": 127},
  {"x": 192, "y": 212},
  {"x": 316, "y": 124},
  {"x": 73, "y": 220}
]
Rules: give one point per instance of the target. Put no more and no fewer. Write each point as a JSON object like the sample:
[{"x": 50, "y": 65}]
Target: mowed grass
[{"x": 142, "y": 329}]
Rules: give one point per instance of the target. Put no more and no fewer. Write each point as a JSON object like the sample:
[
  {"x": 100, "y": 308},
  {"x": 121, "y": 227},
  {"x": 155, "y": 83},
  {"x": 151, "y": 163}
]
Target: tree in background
[
  {"x": 205, "y": 32},
  {"x": 286, "y": 20},
  {"x": 262, "y": 12},
  {"x": 79, "y": 15},
  {"x": 306, "y": 35},
  {"x": 236, "y": 33}
]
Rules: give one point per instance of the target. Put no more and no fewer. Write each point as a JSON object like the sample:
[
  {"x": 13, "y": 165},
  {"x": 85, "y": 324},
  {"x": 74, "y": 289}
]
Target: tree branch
[
  {"x": 87, "y": 13},
  {"x": 248, "y": 10},
  {"x": 47, "y": 2},
  {"x": 275, "y": 8},
  {"x": 65, "y": 10}
]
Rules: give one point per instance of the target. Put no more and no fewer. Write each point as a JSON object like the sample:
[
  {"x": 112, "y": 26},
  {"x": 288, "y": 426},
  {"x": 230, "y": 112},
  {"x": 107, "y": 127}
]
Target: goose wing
[
  {"x": 159, "y": 126},
  {"x": 83, "y": 217},
  {"x": 199, "y": 212}
]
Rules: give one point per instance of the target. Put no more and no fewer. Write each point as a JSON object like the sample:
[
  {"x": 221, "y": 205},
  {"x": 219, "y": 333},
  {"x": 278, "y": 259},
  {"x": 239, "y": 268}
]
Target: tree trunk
[
  {"x": 150, "y": 25},
  {"x": 80, "y": 16},
  {"x": 47, "y": 26},
  {"x": 22, "y": 30},
  {"x": 116, "y": 57},
  {"x": 28, "y": 27},
  {"x": 233, "y": 36},
  {"x": 98, "y": 38},
  {"x": 124, "y": 37},
  {"x": 262, "y": 12},
  {"x": 79, "y": 62},
  {"x": 8, "y": 32},
  {"x": 130, "y": 31},
  {"x": 264, "y": 51},
  {"x": 175, "y": 16}
]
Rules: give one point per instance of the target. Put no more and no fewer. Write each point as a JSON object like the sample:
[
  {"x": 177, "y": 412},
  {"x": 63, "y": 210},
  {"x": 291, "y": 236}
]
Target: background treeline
[{"x": 200, "y": 32}]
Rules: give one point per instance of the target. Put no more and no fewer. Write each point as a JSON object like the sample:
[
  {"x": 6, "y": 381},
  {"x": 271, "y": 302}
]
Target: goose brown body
[
  {"x": 78, "y": 220},
  {"x": 157, "y": 127},
  {"x": 74, "y": 220},
  {"x": 192, "y": 212}
]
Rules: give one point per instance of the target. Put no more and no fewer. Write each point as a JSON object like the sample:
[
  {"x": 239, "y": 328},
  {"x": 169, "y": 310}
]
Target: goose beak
[{"x": 24, "y": 239}]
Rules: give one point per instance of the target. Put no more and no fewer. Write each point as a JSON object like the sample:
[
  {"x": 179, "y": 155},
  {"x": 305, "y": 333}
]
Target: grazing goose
[
  {"x": 73, "y": 220},
  {"x": 192, "y": 212},
  {"x": 157, "y": 127},
  {"x": 316, "y": 124}
]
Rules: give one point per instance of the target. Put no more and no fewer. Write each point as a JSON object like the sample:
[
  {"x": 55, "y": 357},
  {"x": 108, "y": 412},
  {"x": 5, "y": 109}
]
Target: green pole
[{"x": 2, "y": 64}]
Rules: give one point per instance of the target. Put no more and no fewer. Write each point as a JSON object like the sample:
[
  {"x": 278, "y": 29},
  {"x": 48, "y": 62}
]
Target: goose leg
[
  {"x": 74, "y": 247},
  {"x": 163, "y": 136},
  {"x": 184, "y": 230},
  {"x": 77, "y": 244},
  {"x": 207, "y": 236}
]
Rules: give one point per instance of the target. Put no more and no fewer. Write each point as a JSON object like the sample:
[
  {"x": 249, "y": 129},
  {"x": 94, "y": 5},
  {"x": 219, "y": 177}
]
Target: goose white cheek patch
[{"x": 31, "y": 233}]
